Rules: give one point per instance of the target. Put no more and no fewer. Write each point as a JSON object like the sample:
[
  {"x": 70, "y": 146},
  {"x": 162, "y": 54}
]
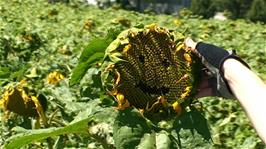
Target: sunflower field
[{"x": 44, "y": 103}]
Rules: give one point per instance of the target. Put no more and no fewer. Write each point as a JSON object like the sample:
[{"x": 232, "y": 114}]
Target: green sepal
[{"x": 106, "y": 77}]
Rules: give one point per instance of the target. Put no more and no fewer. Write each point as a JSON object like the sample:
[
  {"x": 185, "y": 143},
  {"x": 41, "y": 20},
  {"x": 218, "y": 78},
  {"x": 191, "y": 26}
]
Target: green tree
[
  {"x": 237, "y": 8},
  {"x": 257, "y": 11},
  {"x": 203, "y": 8}
]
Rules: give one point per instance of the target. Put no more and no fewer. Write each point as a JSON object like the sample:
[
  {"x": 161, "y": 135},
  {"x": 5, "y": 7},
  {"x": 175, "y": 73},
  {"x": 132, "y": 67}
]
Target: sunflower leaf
[
  {"x": 82, "y": 68},
  {"x": 94, "y": 52},
  {"x": 148, "y": 141},
  {"x": 28, "y": 136},
  {"x": 129, "y": 129}
]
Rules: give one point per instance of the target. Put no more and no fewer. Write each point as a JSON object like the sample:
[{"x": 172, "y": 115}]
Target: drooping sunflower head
[
  {"x": 23, "y": 101},
  {"x": 152, "y": 69}
]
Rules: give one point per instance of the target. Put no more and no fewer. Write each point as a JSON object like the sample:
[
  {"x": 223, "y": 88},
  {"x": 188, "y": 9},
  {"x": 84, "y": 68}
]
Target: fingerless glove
[{"x": 213, "y": 58}]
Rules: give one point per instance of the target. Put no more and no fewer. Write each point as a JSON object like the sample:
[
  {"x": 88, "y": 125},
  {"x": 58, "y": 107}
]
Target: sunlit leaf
[
  {"x": 94, "y": 52},
  {"x": 82, "y": 68},
  {"x": 29, "y": 136},
  {"x": 163, "y": 140},
  {"x": 33, "y": 38},
  {"x": 148, "y": 141}
]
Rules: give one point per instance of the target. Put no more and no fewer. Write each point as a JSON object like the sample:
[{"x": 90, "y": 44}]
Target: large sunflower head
[{"x": 153, "y": 71}]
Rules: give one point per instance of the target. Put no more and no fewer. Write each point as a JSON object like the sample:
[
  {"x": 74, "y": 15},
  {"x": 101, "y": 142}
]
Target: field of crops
[{"x": 40, "y": 44}]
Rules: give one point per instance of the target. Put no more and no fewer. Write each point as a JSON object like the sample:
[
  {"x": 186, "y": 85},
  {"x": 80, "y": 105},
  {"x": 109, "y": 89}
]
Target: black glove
[{"x": 213, "y": 58}]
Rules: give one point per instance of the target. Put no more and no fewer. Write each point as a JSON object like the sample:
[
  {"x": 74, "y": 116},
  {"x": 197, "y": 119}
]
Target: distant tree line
[
  {"x": 54, "y": 1},
  {"x": 254, "y": 10}
]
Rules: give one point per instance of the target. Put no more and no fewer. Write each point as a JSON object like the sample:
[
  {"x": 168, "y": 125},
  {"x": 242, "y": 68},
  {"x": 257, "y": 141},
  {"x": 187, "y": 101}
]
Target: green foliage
[
  {"x": 60, "y": 36},
  {"x": 194, "y": 121},
  {"x": 93, "y": 52},
  {"x": 129, "y": 127},
  {"x": 253, "y": 10},
  {"x": 202, "y": 7},
  {"x": 257, "y": 11},
  {"x": 27, "y": 136},
  {"x": 237, "y": 8}
]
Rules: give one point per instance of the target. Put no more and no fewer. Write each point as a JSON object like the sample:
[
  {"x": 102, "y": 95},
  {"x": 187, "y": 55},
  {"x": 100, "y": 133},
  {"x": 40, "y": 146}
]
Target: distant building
[
  {"x": 220, "y": 16},
  {"x": 91, "y": 2}
]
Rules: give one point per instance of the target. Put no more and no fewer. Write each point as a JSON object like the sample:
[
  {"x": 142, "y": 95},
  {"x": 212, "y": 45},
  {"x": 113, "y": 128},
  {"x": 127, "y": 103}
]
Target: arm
[
  {"x": 245, "y": 85},
  {"x": 250, "y": 91}
]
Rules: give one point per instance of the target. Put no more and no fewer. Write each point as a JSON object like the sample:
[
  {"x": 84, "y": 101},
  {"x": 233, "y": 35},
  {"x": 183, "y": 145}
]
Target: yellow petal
[
  {"x": 120, "y": 97},
  {"x": 177, "y": 22},
  {"x": 23, "y": 82},
  {"x": 118, "y": 78},
  {"x": 180, "y": 46},
  {"x": 141, "y": 111},
  {"x": 122, "y": 102},
  {"x": 187, "y": 57},
  {"x": 188, "y": 89},
  {"x": 126, "y": 48},
  {"x": 1, "y": 103},
  {"x": 152, "y": 26},
  {"x": 54, "y": 77},
  {"x": 177, "y": 107},
  {"x": 39, "y": 109},
  {"x": 24, "y": 96}
]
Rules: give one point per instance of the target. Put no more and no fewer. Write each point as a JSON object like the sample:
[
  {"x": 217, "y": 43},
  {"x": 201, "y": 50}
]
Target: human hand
[
  {"x": 212, "y": 81},
  {"x": 190, "y": 44}
]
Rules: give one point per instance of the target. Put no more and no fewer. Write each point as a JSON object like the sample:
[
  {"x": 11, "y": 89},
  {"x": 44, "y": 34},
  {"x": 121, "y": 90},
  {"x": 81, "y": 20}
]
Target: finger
[
  {"x": 206, "y": 92},
  {"x": 188, "y": 48},
  {"x": 207, "y": 85},
  {"x": 205, "y": 89}
]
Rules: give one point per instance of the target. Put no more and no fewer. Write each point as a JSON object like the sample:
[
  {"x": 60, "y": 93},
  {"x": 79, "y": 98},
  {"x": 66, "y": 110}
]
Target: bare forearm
[
  {"x": 246, "y": 86},
  {"x": 250, "y": 90}
]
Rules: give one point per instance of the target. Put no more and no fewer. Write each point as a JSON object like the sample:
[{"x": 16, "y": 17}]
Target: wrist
[
  {"x": 228, "y": 65},
  {"x": 232, "y": 63}
]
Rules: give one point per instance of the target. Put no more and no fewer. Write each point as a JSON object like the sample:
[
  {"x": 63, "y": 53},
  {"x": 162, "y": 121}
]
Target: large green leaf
[
  {"x": 163, "y": 140},
  {"x": 160, "y": 140},
  {"x": 129, "y": 128},
  {"x": 82, "y": 68},
  {"x": 94, "y": 52},
  {"x": 148, "y": 142},
  {"x": 193, "y": 121},
  {"x": 27, "y": 136},
  {"x": 192, "y": 129}
]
